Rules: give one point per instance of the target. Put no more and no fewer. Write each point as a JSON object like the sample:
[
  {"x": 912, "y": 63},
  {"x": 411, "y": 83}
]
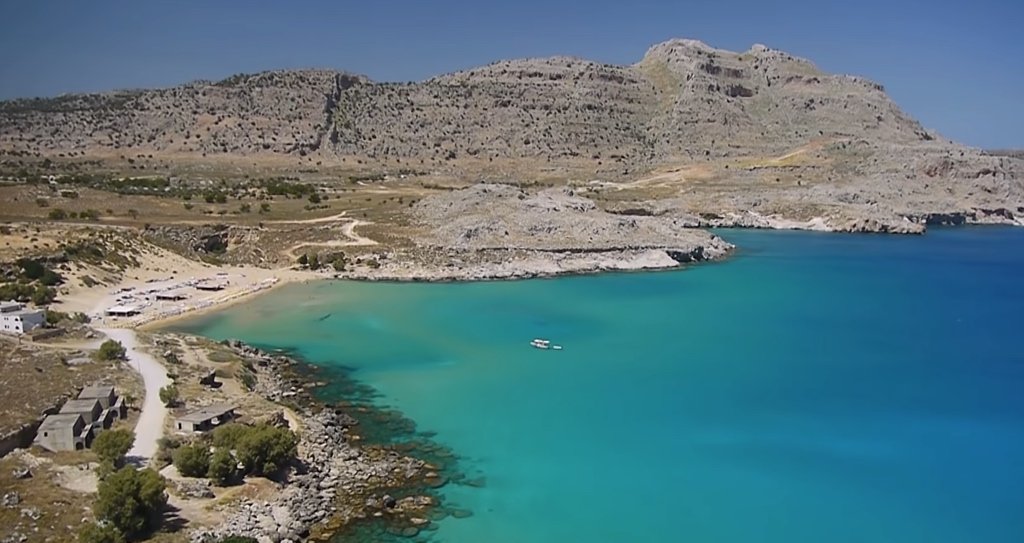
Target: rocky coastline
[{"x": 336, "y": 483}]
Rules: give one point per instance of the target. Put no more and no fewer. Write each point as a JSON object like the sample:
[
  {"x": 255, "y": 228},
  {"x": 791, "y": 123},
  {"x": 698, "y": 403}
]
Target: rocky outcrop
[
  {"x": 503, "y": 217},
  {"x": 335, "y": 482}
]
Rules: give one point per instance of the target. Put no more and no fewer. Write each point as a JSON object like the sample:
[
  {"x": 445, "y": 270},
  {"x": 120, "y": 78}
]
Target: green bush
[
  {"x": 31, "y": 269},
  {"x": 261, "y": 449},
  {"x": 169, "y": 395},
  {"x": 51, "y": 278},
  {"x": 16, "y": 291},
  {"x": 57, "y": 214},
  {"x": 54, "y": 317},
  {"x": 111, "y": 350},
  {"x": 192, "y": 460},
  {"x": 111, "y": 446},
  {"x": 266, "y": 449},
  {"x": 43, "y": 295},
  {"x": 222, "y": 467},
  {"x": 131, "y": 500}
]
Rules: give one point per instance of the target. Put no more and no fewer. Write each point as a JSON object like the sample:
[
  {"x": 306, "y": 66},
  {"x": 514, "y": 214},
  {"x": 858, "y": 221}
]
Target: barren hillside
[{"x": 757, "y": 137}]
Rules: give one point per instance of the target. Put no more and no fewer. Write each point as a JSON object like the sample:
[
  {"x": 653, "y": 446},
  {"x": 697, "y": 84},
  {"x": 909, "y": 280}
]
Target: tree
[
  {"x": 228, "y": 436},
  {"x": 314, "y": 198},
  {"x": 130, "y": 500},
  {"x": 222, "y": 467},
  {"x": 264, "y": 207},
  {"x": 192, "y": 460},
  {"x": 314, "y": 261},
  {"x": 264, "y": 449},
  {"x": 54, "y": 317},
  {"x": 303, "y": 260},
  {"x": 57, "y": 214},
  {"x": 245, "y": 208},
  {"x": 100, "y": 533},
  {"x": 51, "y": 278},
  {"x": 31, "y": 269},
  {"x": 339, "y": 264},
  {"x": 43, "y": 295},
  {"x": 169, "y": 395},
  {"x": 261, "y": 449},
  {"x": 111, "y": 350},
  {"x": 111, "y": 446}
]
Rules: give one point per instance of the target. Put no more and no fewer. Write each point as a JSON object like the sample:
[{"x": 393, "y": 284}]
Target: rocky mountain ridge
[{"x": 709, "y": 131}]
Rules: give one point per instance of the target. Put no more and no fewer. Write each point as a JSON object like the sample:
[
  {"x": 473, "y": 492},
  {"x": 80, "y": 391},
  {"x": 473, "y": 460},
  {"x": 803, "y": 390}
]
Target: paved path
[{"x": 150, "y": 427}]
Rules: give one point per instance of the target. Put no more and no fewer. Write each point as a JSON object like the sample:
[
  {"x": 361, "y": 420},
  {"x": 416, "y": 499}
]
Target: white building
[{"x": 15, "y": 319}]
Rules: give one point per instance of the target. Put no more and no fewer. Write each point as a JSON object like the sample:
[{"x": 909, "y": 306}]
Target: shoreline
[
  {"x": 544, "y": 266},
  {"x": 346, "y": 483}
]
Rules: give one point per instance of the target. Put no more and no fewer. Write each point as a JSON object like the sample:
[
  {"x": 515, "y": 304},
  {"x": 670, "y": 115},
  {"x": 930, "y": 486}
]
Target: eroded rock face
[
  {"x": 490, "y": 216},
  {"x": 763, "y": 131}
]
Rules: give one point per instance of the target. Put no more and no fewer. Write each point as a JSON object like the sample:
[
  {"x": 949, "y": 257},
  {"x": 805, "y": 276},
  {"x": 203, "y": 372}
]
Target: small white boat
[
  {"x": 544, "y": 344},
  {"x": 540, "y": 343}
]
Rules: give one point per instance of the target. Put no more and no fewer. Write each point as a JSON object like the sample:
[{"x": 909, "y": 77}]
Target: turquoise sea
[{"x": 814, "y": 387}]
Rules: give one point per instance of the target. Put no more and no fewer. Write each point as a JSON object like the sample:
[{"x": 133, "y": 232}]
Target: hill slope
[{"x": 758, "y": 137}]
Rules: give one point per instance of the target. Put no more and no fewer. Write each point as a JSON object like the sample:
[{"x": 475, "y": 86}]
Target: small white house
[{"x": 15, "y": 319}]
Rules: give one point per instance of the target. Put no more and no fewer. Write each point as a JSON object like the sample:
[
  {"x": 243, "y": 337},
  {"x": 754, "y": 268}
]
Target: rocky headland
[{"x": 337, "y": 482}]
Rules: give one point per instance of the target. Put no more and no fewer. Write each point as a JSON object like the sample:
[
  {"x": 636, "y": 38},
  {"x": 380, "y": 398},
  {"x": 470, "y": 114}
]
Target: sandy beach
[{"x": 167, "y": 286}]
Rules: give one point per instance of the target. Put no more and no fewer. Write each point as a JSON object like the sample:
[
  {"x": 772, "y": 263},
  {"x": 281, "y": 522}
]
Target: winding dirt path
[{"x": 348, "y": 230}]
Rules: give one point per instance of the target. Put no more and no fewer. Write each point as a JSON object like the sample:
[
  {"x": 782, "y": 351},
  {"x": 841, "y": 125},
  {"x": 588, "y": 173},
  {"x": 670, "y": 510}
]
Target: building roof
[
  {"x": 206, "y": 413},
  {"x": 24, "y": 312},
  {"x": 95, "y": 391},
  {"x": 172, "y": 295},
  {"x": 59, "y": 421},
  {"x": 10, "y": 306},
  {"x": 122, "y": 309},
  {"x": 82, "y": 405}
]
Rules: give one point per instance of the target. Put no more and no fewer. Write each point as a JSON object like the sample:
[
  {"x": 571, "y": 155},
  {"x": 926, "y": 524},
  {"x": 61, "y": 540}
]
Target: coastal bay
[{"x": 815, "y": 386}]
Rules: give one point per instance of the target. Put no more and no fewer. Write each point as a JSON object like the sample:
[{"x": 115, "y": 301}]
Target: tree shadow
[{"x": 171, "y": 520}]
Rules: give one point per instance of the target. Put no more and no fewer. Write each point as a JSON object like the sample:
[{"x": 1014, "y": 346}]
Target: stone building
[{"x": 64, "y": 432}]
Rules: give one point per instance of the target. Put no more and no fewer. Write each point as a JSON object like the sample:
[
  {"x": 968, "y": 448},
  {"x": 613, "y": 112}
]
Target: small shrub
[
  {"x": 111, "y": 350},
  {"x": 169, "y": 395},
  {"x": 192, "y": 460}
]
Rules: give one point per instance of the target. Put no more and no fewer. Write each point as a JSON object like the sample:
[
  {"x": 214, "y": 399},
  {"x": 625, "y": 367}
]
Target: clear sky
[{"x": 957, "y": 65}]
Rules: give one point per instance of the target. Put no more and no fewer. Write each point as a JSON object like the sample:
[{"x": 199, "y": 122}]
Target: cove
[{"x": 814, "y": 387}]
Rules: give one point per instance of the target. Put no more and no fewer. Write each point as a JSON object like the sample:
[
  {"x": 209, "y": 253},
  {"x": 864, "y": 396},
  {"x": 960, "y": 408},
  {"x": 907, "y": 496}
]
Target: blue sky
[{"x": 956, "y": 65}]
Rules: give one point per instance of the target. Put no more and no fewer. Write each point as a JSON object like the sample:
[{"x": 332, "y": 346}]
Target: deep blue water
[{"x": 815, "y": 387}]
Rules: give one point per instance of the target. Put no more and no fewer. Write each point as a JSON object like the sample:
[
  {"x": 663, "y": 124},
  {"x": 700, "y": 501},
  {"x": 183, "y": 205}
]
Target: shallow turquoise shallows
[{"x": 814, "y": 387}]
